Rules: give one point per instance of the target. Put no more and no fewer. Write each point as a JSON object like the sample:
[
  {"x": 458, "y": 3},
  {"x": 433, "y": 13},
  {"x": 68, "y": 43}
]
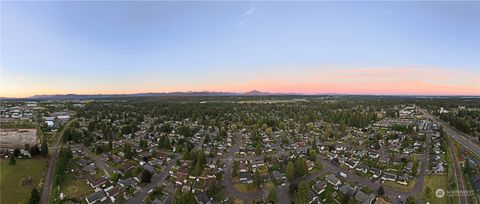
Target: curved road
[{"x": 155, "y": 181}]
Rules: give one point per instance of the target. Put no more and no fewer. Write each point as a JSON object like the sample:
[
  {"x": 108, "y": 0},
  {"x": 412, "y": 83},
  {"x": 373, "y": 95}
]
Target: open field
[
  {"x": 400, "y": 187},
  {"x": 435, "y": 182},
  {"x": 75, "y": 188},
  {"x": 250, "y": 187},
  {"x": 11, "y": 189},
  {"x": 11, "y": 138},
  {"x": 12, "y": 124}
]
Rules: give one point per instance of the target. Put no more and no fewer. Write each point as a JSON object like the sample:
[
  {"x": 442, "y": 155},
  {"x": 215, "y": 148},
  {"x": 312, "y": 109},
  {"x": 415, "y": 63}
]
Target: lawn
[
  {"x": 11, "y": 176},
  {"x": 246, "y": 187},
  {"x": 435, "y": 182},
  {"x": 75, "y": 188},
  {"x": 250, "y": 187},
  {"x": 400, "y": 187}
]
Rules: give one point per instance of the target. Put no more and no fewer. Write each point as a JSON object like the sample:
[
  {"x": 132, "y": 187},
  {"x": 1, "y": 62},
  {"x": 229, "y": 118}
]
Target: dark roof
[
  {"x": 347, "y": 189},
  {"x": 202, "y": 197},
  {"x": 148, "y": 167},
  {"x": 96, "y": 196},
  {"x": 246, "y": 175},
  {"x": 364, "y": 198},
  {"x": 476, "y": 183}
]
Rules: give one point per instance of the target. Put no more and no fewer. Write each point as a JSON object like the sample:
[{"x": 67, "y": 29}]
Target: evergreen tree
[
  {"x": 34, "y": 151},
  {"x": 127, "y": 150},
  {"x": 258, "y": 149},
  {"x": 302, "y": 193},
  {"x": 16, "y": 152},
  {"x": 146, "y": 176},
  {"x": 12, "y": 160},
  {"x": 272, "y": 195},
  {"x": 290, "y": 171},
  {"x": 34, "y": 197},
  {"x": 410, "y": 200},
  {"x": 312, "y": 155},
  {"x": 380, "y": 191},
  {"x": 301, "y": 168},
  {"x": 257, "y": 180},
  {"x": 44, "y": 149}
]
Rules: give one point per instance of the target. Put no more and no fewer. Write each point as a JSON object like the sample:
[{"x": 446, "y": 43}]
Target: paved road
[
  {"x": 156, "y": 181},
  {"x": 282, "y": 192},
  {"x": 465, "y": 140},
  {"x": 227, "y": 181},
  {"x": 352, "y": 177},
  {"x": 47, "y": 187},
  {"x": 99, "y": 162}
]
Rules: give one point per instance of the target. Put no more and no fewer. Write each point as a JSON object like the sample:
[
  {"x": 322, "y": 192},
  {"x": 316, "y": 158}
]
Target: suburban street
[
  {"x": 99, "y": 162},
  {"x": 155, "y": 181},
  {"x": 227, "y": 181},
  {"x": 329, "y": 168}
]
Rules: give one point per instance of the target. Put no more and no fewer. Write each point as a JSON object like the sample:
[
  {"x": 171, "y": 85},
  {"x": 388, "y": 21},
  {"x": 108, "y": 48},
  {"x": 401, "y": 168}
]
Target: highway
[{"x": 465, "y": 140}]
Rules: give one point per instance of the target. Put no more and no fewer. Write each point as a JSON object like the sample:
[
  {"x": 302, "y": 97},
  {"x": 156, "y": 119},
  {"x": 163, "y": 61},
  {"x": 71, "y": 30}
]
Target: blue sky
[{"x": 126, "y": 47}]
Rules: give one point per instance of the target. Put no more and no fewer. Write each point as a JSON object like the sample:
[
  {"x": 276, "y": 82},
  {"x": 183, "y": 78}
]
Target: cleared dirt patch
[{"x": 11, "y": 138}]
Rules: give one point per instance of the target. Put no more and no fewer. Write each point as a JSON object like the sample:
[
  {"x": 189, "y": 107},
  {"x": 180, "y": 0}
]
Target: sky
[{"x": 393, "y": 48}]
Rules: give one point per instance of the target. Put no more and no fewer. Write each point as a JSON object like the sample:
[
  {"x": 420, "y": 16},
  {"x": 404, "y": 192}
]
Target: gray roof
[
  {"x": 332, "y": 179},
  {"x": 127, "y": 182},
  {"x": 347, "y": 189},
  {"x": 148, "y": 167},
  {"x": 364, "y": 198},
  {"x": 202, "y": 197},
  {"x": 99, "y": 195}
]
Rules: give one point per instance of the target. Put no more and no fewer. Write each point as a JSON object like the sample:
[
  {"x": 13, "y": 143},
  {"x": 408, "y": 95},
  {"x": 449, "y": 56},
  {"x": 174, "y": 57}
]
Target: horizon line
[{"x": 245, "y": 93}]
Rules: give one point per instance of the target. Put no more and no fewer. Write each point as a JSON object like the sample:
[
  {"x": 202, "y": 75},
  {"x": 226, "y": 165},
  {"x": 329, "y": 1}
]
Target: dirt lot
[{"x": 10, "y": 138}]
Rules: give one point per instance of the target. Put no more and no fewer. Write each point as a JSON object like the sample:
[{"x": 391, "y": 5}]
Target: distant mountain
[
  {"x": 256, "y": 93},
  {"x": 104, "y": 96},
  {"x": 195, "y": 93}
]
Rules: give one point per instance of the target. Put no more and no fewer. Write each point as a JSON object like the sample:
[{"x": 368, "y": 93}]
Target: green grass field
[
  {"x": 435, "y": 182},
  {"x": 10, "y": 188},
  {"x": 400, "y": 187},
  {"x": 250, "y": 187},
  {"x": 75, "y": 188}
]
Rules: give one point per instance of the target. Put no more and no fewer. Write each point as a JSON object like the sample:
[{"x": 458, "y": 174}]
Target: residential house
[
  {"x": 389, "y": 176},
  {"x": 129, "y": 182},
  {"x": 375, "y": 172},
  {"x": 438, "y": 168},
  {"x": 319, "y": 187},
  {"x": 346, "y": 189},
  {"x": 202, "y": 198},
  {"x": 246, "y": 177},
  {"x": 96, "y": 183},
  {"x": 362, "y": 168},
  {"x": 334, "y": 181},
  {"x": 98, "y": 196},
  {"x": 364, "y": 198}
]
